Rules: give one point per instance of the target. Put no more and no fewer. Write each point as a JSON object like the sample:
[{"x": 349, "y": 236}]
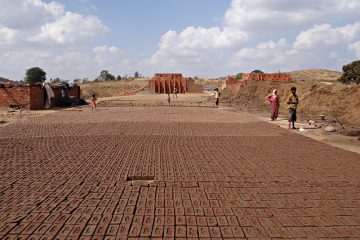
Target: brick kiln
[{"x": 165, "y": 83}]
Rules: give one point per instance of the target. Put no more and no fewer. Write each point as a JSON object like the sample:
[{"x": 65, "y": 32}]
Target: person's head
[
  {"x": 274, "y": 91},
  {"x": 93, "y": 95},
  {"x": 293, "y": 89}
]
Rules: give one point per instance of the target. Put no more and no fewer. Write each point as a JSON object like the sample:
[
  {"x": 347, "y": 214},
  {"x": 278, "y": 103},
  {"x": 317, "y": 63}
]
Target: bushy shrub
[
  {"x": 239, "y": 76},
  {"x": 351, "y": 73}
]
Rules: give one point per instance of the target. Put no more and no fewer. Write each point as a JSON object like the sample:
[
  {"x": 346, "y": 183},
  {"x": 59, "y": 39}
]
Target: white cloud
[
  {"x": 194, "y": 47},
  {"x": 321, "y": 46},
  {"x": 255, "y": 34},
  {"x": 204, "y": 38},
  {"x": 280, "y": 15},
  {"x": 34, "y": 21},
  {"x": 267, "y": 55},
  {"x": 321, "y": 36},
  {"x": 265, "y": 26},
  {"x": 24, "y": 14},
  {"x": 355, "y": 47},
  {"x": 7, "y": 35},
  {"x": 70, "y": 28},
  {"x": 112, "y": 58},
  {"x": 66, "y": 65}
]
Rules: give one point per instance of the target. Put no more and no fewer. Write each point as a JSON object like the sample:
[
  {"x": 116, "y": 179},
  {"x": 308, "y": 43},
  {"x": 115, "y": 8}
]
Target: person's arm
[{"x": 289, "y": 101}]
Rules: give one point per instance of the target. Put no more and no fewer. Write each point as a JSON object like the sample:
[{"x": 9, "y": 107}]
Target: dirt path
[{"x": 332, "y": 138}]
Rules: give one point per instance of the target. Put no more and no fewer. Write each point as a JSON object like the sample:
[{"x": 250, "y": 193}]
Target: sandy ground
[
  {"x": 334, "y": 139},
  {"x": 194, "y": 100},
  {"x": 8, "y": 117}
]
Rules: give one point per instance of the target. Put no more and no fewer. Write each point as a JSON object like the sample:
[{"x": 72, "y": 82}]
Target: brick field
[{"x": 171, "y": 172}]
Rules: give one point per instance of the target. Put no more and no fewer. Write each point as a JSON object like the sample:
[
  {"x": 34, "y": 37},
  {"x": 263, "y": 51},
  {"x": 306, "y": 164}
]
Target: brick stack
[
  {"x": 234, "y": 85},
  {"x": 274, "y": 77},
  {"x": 165, "y": 83}
]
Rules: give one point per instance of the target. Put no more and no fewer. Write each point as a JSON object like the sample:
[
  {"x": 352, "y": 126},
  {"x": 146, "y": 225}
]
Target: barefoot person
[
  {"x": 292, "y": 101},
  {"x": 274, "y": 100},
  {"x": 93, "y": 102},
  {"x": 168, "y": 99},
  {"x": 175, "y": 92},
  {"x": 216, "y": 96}
]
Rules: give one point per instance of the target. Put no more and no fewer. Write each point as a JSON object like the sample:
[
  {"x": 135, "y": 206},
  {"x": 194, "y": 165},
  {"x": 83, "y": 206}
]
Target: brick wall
[
  {"x": 31, "y": 97},
  {"x": 26, "y": 96},
  {"x": 37, "y": 97},
  {"x": 233, "y": 84}
]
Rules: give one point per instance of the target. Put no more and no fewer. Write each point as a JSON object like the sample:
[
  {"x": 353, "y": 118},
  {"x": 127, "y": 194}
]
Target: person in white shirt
[
  {"x": 175, "y": 92},
  {"x": 216, "y": 96}
]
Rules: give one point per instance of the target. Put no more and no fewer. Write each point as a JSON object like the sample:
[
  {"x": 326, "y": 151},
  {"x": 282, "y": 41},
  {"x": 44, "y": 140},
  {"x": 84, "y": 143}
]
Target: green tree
[
  {"x": 239, "y": 76},
  {"x": 110, "y": 77},
  {"x": 136, "y": 74},
  {"x": 118, "y": 77},
  {"x": 35, "y": 75},
  {"x": 351, "y": 73},
  {"x": 257, "y": 71},
  {"x": 105, "y": 75}
]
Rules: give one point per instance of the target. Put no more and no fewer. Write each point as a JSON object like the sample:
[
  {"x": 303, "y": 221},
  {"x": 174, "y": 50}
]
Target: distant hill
[
  {"x": 5, "y": 80},
  {"x": 315, "y": 74}
]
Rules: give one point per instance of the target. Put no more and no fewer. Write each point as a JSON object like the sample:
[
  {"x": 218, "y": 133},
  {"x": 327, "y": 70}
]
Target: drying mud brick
[{"x": 210, "y": 173}]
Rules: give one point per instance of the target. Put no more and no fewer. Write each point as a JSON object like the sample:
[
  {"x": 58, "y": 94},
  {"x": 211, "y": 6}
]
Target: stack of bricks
[
  {"x": 166, "y": 82},
  {"x": 234, "y": 85},
  {"x": 27, "y": 96},
  {"x": 274, "y": 77}
]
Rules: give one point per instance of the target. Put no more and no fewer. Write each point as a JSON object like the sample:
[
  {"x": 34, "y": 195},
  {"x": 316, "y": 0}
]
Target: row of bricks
[{"x": 125, "y": 230}]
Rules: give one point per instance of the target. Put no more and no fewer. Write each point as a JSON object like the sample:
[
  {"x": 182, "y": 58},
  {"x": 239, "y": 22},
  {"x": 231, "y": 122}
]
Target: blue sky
[{"x": 207, "y": 38}]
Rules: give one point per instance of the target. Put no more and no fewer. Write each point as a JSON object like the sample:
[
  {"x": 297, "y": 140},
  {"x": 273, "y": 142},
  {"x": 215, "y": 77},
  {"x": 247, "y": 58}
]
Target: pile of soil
[
  {"x": 315, "y": 74},
  {"x": 336, "y": 100}
]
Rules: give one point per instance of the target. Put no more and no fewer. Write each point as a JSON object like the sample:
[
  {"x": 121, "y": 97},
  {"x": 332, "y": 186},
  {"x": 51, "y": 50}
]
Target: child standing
[
  {"x": 216, "y": 96},
  {"x": 168, "y": 99},
  {"x": 93, "y": 102},
  {"x": 292, "y": 101},
  {"x": 175, "y": 92}
]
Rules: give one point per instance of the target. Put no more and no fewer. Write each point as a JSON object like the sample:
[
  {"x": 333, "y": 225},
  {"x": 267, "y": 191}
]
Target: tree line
[
  {"x": 351, "y": 74},
  {"x": 38, "y": 75}
]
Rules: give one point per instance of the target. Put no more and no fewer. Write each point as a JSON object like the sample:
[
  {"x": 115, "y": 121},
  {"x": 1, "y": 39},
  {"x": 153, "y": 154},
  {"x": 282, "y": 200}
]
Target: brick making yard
[{"x": 160, "y": 172}]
